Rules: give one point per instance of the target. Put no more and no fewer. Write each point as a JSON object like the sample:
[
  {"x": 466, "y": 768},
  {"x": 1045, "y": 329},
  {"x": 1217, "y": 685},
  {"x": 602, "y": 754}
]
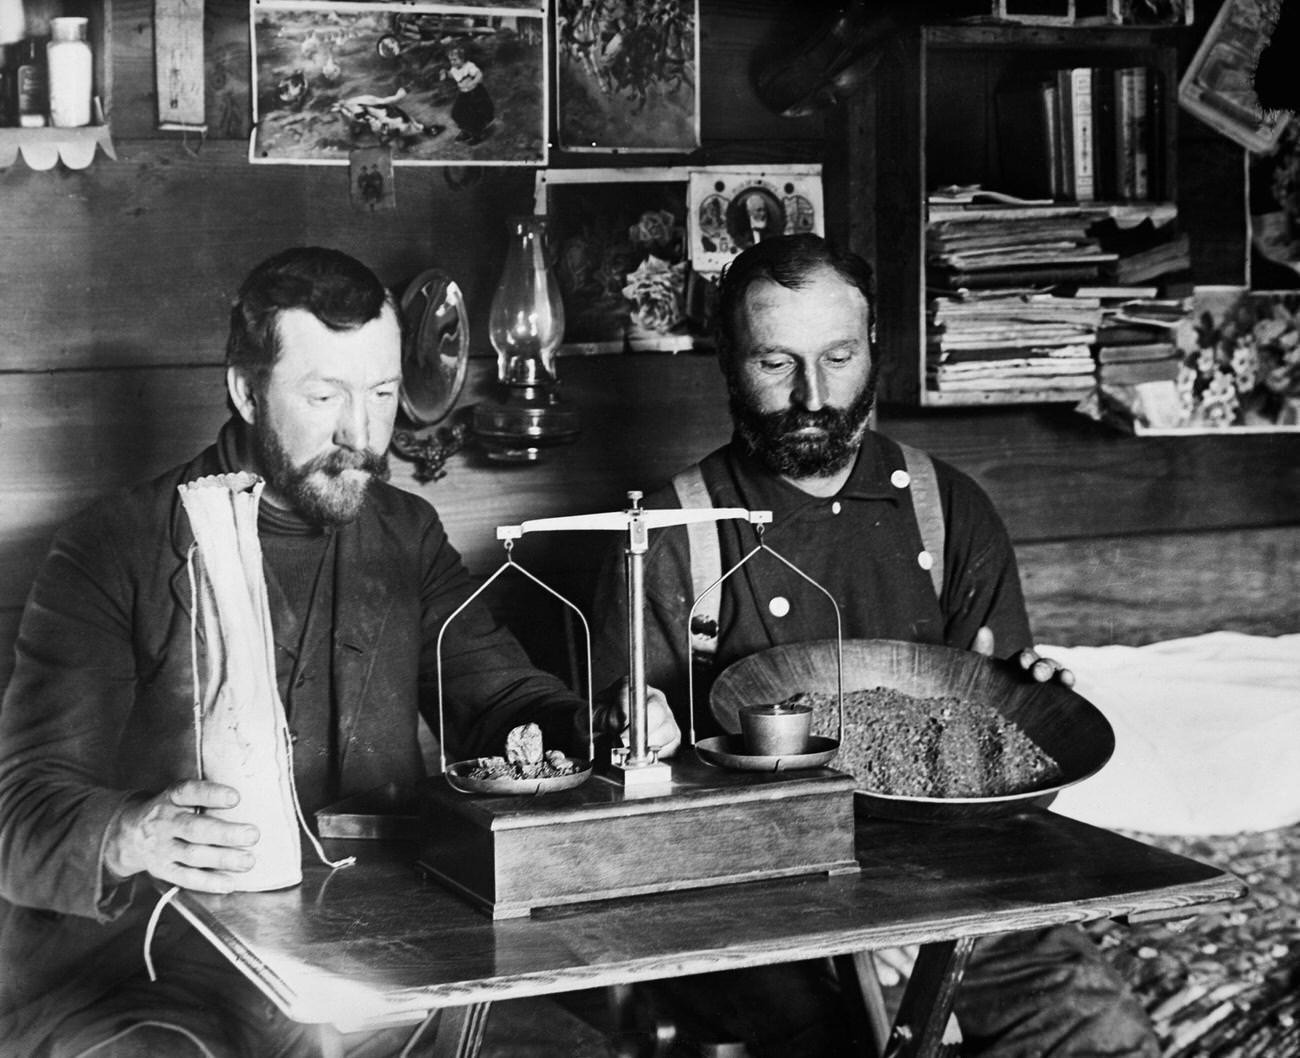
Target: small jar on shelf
[{"x": 70, "y": 63}]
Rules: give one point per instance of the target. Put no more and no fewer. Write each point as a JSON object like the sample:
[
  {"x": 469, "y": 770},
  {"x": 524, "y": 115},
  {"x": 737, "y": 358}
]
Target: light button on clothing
[
  {"x": 925, "y": 560},
  {"x": 900, "y": 479},
  {"x": 779, "y": 606},
  {"x": 836, "y": 507}
]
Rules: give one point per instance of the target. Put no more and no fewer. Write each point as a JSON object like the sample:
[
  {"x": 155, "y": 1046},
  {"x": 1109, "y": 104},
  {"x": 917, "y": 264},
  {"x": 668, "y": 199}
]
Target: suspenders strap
[
  {"x": 927, "y": 508},
  {"x": 706, "y": 561}
]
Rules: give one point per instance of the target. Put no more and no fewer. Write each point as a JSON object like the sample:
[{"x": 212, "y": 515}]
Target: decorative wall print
[
  {"x": 627, "y": 75},
  {"x": 435, "y": 84},
  {"x": 1274, "y": 196},
  {"x": 731, "y": 208},
  {"x": 372, "y": 180},
  {"x": 619, "y": 242},
  {"x": 1218, "y": 85},
  {"x": 1241, "y": 359}
]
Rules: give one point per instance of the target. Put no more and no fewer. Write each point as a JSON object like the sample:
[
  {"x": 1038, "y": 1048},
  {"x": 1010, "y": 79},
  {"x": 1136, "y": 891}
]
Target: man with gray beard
[
  {"x": 101, "y": 794},
  {"x": 796, "y": 344}
]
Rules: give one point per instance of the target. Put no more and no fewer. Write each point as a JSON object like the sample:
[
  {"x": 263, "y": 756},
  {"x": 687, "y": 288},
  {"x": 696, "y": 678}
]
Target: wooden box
[{"x": 711, "y": 826}]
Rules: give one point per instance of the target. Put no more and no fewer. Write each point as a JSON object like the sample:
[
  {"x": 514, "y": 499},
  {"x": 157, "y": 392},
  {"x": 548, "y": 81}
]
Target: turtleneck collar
[{"x": 271, "y": 518}]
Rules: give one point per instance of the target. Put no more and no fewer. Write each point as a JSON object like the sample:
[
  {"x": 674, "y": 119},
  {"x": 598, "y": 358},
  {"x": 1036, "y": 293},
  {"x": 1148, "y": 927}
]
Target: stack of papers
[{"x": 1012, "y": 341}]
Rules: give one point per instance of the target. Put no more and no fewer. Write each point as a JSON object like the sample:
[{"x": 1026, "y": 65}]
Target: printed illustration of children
[{"x": 473, "y": 110}]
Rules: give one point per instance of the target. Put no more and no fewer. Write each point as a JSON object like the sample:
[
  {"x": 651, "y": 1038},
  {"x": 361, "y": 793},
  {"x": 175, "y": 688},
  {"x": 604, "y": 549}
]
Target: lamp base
[{"x": 529, "y": 419}]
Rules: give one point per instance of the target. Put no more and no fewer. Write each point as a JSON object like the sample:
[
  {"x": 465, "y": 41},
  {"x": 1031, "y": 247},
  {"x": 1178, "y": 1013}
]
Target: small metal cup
[{"x": 775, "y": 730}]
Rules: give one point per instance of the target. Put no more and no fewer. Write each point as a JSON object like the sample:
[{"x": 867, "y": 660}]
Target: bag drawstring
[{"x": 286, "y": 751}]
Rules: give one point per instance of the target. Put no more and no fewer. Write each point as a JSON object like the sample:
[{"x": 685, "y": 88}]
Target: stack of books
[
  {"x": 999, "y": 341},
  {"x": 1136, "y": 341},
  {"x": 983, "y": 247}
]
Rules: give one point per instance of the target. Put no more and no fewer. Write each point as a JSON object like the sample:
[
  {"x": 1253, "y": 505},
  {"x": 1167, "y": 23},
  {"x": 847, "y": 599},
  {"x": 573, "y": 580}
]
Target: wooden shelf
[
  {"x": 936, "y": 126},
  {"x": 44, "y": 148}
]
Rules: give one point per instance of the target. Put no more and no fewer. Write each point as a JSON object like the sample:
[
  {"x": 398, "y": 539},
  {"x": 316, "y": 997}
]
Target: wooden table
[{"x": 376, "y": 945}]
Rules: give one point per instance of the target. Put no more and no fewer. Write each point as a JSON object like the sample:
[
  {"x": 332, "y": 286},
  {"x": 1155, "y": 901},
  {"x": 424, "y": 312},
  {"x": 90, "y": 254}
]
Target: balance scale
[{"x": 709, "y": 816}]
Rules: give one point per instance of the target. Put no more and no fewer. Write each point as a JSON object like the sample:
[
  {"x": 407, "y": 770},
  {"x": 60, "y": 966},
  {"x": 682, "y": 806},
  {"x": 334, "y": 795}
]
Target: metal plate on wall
[{"x": 436, "y": 354}]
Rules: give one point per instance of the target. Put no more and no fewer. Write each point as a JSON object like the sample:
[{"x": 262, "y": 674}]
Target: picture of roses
[
  {"x": 622, "y": 264},
  {"x": 657, "y": 291}
]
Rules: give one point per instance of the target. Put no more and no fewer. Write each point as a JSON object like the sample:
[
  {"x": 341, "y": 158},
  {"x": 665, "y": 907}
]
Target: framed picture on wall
[
  {"x": 435, "y": 84},
  {"x": 731, "y": 208},
  {"x": 618, "y": 241},
  {"x": 1218, "y": 85},
  {"x": 627, "y": 75}
]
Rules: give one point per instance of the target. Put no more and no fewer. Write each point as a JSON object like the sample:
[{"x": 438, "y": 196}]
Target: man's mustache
[
  {"x": 793, "y": 419},
  {"x": 335, "y": 463}
]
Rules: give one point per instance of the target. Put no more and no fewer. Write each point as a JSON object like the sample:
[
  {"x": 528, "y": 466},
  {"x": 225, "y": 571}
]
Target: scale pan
[
  {"x": 728, "y": 751},
  {"x": 1064, "y": 724},
  {"x": 460, "y": 777}
]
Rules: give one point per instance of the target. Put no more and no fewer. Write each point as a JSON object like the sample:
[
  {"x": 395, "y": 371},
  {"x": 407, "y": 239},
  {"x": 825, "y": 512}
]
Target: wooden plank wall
[{"x": 115, "y": 282}]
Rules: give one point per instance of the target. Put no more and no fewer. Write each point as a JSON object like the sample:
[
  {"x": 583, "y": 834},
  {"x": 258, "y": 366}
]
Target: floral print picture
[
  {"x": 1236, "y": 369},
  {"x": 619, "y": 243},
  {"x": 1240, "y": 353}
]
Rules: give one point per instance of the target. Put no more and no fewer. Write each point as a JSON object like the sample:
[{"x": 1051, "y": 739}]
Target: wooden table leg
[
  {"x": 928, "y": 998},
  {"x": 330, "y": 1040},
  {"x": 860, "y": 986},
  {"x": 458, "y": 1031},
  {"x": 449, "y": 1032}
]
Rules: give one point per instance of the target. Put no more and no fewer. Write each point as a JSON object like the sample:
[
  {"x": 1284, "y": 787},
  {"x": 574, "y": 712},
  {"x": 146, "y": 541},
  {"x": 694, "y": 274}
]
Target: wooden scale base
[{"x": 709, "y": 826}]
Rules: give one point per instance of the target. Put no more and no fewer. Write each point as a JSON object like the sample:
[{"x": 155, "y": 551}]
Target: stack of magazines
[
  {"x": 1004, "y": 341},
  {"x": 986, "y": 247}
]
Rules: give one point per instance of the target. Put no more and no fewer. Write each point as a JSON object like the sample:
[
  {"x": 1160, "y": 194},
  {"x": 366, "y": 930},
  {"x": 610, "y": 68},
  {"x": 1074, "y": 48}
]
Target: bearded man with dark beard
[
  {"x": 796, "y": 345},
  {"x": 102, "y": 797}
]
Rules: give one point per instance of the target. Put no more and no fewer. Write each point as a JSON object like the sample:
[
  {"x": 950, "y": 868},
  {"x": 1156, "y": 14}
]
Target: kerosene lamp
[{"x": 526, "y": 326}]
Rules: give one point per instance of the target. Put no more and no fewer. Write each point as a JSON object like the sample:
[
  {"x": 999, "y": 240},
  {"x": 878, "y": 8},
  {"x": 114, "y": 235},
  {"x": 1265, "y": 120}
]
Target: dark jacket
[
  {"x": 861, "y": 545},
  {"x": 99, "y": 707}
]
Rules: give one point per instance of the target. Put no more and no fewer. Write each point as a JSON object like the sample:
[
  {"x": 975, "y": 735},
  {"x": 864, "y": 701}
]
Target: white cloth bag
[{"x": 241, "y": 734}]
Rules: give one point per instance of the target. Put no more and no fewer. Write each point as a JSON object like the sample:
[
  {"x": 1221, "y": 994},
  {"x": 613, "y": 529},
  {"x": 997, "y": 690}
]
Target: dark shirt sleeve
[
  {"x": 982, "y": 581},
  {"x": 62, "y": 717},
  {"x": 487, "y": 683}
]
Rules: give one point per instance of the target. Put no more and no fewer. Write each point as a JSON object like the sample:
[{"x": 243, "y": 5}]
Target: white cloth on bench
[{"x": 1207, "y": 734}]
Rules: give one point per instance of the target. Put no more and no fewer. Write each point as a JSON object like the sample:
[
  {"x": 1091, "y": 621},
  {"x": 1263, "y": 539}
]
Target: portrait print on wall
[
  {"x": 618, "y": 238},
  {"x": 627, "y": 75},
  {"x": 733, "y": 208},
  {"x": 432, "y": 84}
]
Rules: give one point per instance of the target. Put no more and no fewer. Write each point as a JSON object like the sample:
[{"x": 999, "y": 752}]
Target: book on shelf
[
  {"x": 1117, "y": 294},
  {"x": 979, "y": 195},
  {"x": 1105, "y": 149},
  {"x": 1065, "y": 387},
  {"x": 1077, "y": 360},
  {"x": 1138, "y": 371},
  {"x": 1135, "y": 353},
  {"x": 1159, "y": 312},
  {"x": 1075, "y": 88},
  {"x": 1024, "y": 257},
  {"x": 944, "y": 218},
  {"x": 1010, "y": 354},
  {"x": 1162, "y": 259},
  {"x": 1040, "y": 277},
  {"x": 1115, "y": 333}
]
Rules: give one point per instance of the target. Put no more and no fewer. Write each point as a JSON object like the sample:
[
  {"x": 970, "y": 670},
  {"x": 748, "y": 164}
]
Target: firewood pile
[{"x": 1226, "y": 983}]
